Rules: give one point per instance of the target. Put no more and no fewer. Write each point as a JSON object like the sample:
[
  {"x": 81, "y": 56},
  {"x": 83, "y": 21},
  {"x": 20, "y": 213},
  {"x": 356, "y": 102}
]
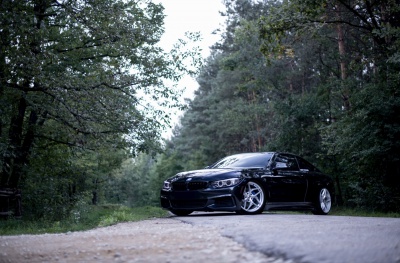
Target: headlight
[
  {"x": 225, "y": 183},
  {"x": 167, "y": 186}
]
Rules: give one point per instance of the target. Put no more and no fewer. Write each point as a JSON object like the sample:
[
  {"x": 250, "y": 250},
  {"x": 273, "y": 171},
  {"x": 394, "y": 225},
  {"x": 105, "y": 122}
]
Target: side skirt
[{"x": 289, "y": 206}]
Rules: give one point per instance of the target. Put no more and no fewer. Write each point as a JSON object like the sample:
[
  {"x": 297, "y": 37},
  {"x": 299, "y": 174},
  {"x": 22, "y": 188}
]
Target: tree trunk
[
  {"x": 19, "y": 144},
  {"x": 13, "y": 153},
  {"x": 94, "y": 192},
  {"x": 17, "y": 156},
  {"x": 343, "y": 64}
]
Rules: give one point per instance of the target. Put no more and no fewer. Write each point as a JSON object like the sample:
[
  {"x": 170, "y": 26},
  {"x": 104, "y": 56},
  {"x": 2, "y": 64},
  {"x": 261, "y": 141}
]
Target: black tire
[
  {"x": 182, "y": 212},
  {"x": 323, "y": 202},
  {"x": 254, "y": 199}
]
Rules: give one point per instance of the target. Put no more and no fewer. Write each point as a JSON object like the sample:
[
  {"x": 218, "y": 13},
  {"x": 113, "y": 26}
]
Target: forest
[{"x": 85, "y": 92}]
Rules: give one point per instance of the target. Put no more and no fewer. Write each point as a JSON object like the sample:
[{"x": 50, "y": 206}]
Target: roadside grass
[
  {"x": 96, "y": 216},
  {"x": 344, "y": 211},
  {"x": 106, "y": 215}
]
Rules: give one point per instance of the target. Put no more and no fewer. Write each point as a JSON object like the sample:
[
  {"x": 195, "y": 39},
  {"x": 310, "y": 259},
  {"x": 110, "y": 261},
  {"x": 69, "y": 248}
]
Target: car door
[
  {"x": 286, "y": 183},
  {"x": 311, "y": 174}
]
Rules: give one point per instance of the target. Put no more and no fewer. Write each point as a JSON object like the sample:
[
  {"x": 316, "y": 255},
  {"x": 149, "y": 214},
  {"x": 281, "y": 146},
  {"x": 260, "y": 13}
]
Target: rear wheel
[
  {"x": 182, "y": 212},
  {"x": 253, "y": 201},
  {"x": 324, "y": 202}
]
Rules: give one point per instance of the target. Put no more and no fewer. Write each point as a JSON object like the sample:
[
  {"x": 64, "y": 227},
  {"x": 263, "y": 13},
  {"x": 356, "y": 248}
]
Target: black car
[{"x": 250, "y": 183}]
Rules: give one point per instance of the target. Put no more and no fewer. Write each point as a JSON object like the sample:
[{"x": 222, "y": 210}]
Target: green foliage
[
  {"x": 90, "y": 217},
  {"x": 346, "y": 211},
  {"x": 59, "y": 177},
  {"x": 300, "y": 114},
  {"x": 132, "y": 184},
  {"x": 317, "y": 78},
  {"x": 83, "y": 85},
  {"x": 81, "y": 92},
  {"x": 125, "y": 214},
  {"x": 367, "y": 142}
]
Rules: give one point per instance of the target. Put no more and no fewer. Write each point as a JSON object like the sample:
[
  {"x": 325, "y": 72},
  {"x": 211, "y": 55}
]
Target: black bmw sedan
[{"x": 250, "y": 183}]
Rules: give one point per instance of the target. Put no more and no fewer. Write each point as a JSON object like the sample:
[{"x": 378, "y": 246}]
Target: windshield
[{"x": 245, "y": 160}]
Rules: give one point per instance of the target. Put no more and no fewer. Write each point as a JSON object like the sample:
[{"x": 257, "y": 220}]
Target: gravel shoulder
[{"x": 154, "y": 240}]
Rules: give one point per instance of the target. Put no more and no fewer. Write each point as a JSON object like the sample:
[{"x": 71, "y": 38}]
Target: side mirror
[{"x": 278, "y": 166}]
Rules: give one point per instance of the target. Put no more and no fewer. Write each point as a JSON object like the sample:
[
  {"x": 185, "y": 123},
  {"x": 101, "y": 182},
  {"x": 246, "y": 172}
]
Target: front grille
[
  {"x": 192, "y": 204},
  {"x": 179, "y": 186},
  {"x": 197, "y": 185},
  {"x": 188, "y": 186}
]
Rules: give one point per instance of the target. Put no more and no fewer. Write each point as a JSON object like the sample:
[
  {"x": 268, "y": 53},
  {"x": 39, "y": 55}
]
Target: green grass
[
  {"x": 343, "y": 211},
  {"x": 97, "y": 216},
  {"x": 106, "y": 215}
]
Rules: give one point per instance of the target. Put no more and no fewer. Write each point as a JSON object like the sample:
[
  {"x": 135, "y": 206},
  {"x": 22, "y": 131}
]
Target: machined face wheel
[
  {"x": 324, "y": 202},
  {"x": 253, "y": 201}
]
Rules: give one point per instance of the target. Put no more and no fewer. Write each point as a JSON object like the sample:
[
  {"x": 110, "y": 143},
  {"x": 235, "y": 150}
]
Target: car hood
[{"x": 208, "y": 174}]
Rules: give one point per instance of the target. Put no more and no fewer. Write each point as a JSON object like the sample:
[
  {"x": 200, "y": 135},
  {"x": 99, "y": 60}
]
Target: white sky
[
  {"x": 195, "y": 16},
  {"x": 191, "y": 15}
]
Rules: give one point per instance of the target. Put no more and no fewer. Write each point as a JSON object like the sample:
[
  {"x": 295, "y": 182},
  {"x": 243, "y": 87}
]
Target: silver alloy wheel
[
  {"x": 325, "y": 201},
  {"x": 253, "y": 198}
]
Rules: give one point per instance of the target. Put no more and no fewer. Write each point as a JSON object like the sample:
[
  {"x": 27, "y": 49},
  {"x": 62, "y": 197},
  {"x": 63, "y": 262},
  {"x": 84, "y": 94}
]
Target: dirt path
[{"x": 156, "y": 240}]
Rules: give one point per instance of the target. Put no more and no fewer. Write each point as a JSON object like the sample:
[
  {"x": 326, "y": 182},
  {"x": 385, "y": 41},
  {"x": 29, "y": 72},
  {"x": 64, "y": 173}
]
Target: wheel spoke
[
  {"x": 325, "y": 200},
  {"x": 253, "y": 197},
  {"x": 323, "y": 194}
]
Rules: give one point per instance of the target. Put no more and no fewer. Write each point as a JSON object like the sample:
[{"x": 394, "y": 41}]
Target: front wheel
[
  {"x": 324, "y": 202},
  {"x": 253, "y": 201}
]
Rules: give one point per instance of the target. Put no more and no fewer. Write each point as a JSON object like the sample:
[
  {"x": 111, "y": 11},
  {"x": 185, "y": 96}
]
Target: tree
[
  {"x": 80, "y": 74},
  {"x": 315, "y": 77},
  {"x": 228, "y": 113},
  {"x": 367, "y": 35}
]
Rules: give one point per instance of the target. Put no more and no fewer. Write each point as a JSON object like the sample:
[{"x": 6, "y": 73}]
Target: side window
[
  {"x": 287, "y": 162},
  {"x": 306, "y": 165}
]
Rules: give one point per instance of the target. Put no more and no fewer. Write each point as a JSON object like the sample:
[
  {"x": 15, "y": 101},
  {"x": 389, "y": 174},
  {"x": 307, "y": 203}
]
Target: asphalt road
[{"x": 310, "y": 238}]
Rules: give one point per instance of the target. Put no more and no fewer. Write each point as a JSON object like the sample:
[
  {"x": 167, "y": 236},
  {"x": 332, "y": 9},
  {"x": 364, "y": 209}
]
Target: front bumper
[{"x": 226, "y": 199}]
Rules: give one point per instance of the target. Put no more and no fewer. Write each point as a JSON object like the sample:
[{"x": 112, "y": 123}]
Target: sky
[
  {"x": 192, "y": 15},
  {"x": 195, "y": 16}
]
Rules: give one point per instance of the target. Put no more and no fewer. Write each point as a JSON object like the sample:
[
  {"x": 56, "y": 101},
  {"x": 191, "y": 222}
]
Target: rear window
[
  {"x": 306, "y": 165},
  {"x": 248, "y": 160}
]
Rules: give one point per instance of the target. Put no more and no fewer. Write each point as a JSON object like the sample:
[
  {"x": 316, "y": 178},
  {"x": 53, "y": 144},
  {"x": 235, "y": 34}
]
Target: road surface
[
  {"x": 218, "y": 237},
  {"x": 310, "y": 238}
]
